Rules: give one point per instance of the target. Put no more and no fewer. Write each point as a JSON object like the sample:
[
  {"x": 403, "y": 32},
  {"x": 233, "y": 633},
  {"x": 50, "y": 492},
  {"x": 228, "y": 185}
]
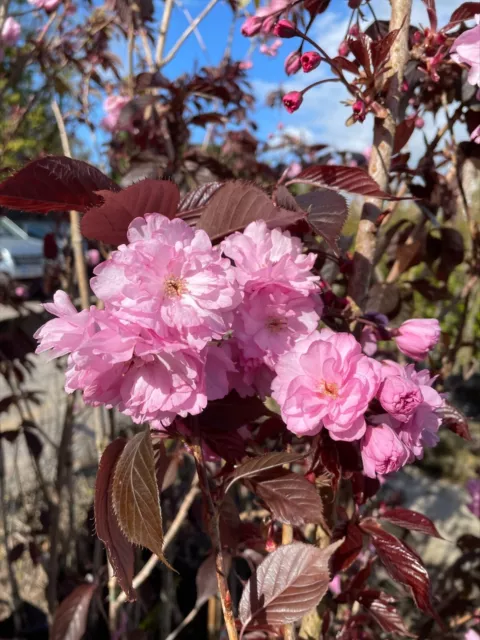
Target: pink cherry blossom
[
  {"x": 10, "y": 32},
  {"x": 266, "y": 257},
  {"x": 416, "y": 337},
  {"x": 48, "y": 5},
  {"x": 245, "y": 65},
  {"x": 466, "y": 50},
  {"x": 400, "y": 396},
  {"x": 292, "y": 101},
  {"x": 292, "y": 63},
  {"x": 65, "y": 333},
  {"x": 382, "y": 450},
  {"x": 251, "y": 375},
  {"x": 113, "y": 106},
  {"x": 325, "y": 380},
  {"x": 473, "y": 488},
  {"x": 219, "y": 371},
  {"x": 270, "y": 321},
  {"x": 169, "y": 278}
]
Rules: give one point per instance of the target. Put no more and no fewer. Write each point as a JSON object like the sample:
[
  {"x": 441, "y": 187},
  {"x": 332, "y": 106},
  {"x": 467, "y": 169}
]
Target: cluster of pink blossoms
[{"x": 184, "y": 323}]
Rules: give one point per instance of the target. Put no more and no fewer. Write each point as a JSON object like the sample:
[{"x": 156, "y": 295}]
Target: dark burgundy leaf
[
  {"x": 70, "y": 620},
  {"x": 109, "y": 222},
  {"x": 361, "y": 47},
  {"x": 403, "y": 134},
  {"x": 359, "y": 580},
  {"x": 472, "y": 117},
  {"x": 465, "y": 11},
  {"x": 351, "y": 179},
  {"x": 363, "y": 487},
  {"x": 147, "y": 80},
  {"x": 348, "y": 551},
  {"x": 166, "y": 466},
  {"x": 232, "y": 412},
  {"x": 402, "y": 564},
  {"x": 206, "y": 579},
  {"x": 346, "y": 65},
  {"x": 34, "y": 444},
  {"x": 229, "y": 523},
  {"x": 384, "y": 298},
  {"x": 120, "y": 551},
  {"x": 237, "y": 204},
  {"x": 455, "y": 420},
  {"x": 226, "y": 443},
  {"x": 203, "y": 119},
  {"x": 411, "y": 520},
  {"x": 315, "y": 7},
  {"x": 429, "y": 291},
  {"x": 384, "y": 611},
  {"x": 381, "y": 48},
  {"x": 16, "y": 552},
  {"x": 290, "y": 582},
  {"x": 198, "y": 198},
  {"x": 55, "y": 183},
  {"x": 290, "y": 497},
  {"x": 326, "y": 213},
  {"x": 432, "y": 14},
  {"x": 452, "y": 252},
  {"x": 254, "y": 466}
]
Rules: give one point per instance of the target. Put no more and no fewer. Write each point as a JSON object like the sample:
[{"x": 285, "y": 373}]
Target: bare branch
[{"x": 379, "y": 166}]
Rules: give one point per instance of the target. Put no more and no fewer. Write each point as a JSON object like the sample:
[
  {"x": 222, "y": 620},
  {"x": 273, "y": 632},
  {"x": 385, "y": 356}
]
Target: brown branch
[
  {"x": 213, "y": 524},
  {"x": 379, "y": 166}
]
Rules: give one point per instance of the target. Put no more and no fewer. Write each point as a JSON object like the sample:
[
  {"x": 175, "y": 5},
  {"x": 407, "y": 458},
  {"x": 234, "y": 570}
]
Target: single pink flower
[
  {"x": 310, "y": 61},
  {"x": 251, "y": 375},
  {"x": 169, "y": 278},
  {"x": 359, "y": 110},
  {"x": 354, "y": 30},
  {"x": 266, "y": 257},
  {"x": 466, "y": 50},
  {"x": 325, "y": 380},
  {"x": 382, "y": 450},
  {"x": 270, "y": 321},
  {"x": 475, "y": 135},
  {"x": 292, "y": 63},
  {"x": 368, "y": 340},
  {"x": 419, "y": 122},
  {"x": 113, "y": 106},
  {"x": 10, "y": 32},
  {"x": 416, "y": 337},
  {"x": 399, "y": 396},
  {"x": 292, "y": 101},
  {"x": 219, "y": 372}
]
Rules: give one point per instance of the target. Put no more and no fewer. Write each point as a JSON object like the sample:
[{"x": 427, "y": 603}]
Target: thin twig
[
  {"x": 379, "y": 166},
  {"x": 167, "y": 12},
  {"x": 190, "y": 29},
  {"x": 182, "y": 513},
  {"x": 213, "y": 522}
]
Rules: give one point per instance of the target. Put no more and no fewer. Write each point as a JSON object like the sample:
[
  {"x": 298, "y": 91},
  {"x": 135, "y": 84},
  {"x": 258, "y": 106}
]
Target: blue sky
[{"x": 322, "y": 117}]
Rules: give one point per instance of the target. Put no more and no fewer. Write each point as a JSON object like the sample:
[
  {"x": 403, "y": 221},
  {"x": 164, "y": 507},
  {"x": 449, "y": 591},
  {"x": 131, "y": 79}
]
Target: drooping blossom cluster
[{"x": 185, "y": 323}]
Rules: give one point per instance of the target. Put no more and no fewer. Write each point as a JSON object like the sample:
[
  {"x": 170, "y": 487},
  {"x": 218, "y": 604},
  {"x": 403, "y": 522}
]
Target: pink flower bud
[
  {"x": 245, "y": 65},
  {"x": 354, "y": 4},
  {"x": 382, "y": 451},
  {"x": 419, "y": 122},
  {"x": 280, "y": 126},
  {"x": 417, "y": 37},
  {"x": 292, "y": 101},
  {"x": 251, "y": 26},
  {"x": 285, "y": 29},
  {"x": 10, "y": 32},
  {"x": 354, "y": 30},
  {"x": 292, "y": 63},
  {"x": 404, "y": 85},
  {"x": 343, "y": 49},
  {"x": 310, "y": 61},
  {"x": 400, "y": 397},
  {"x": 359, "y": 110},
  {"x": 415, "y": 338}
]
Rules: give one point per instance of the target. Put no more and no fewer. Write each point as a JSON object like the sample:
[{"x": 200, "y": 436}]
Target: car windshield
[{"x": 9, "y": 229}]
